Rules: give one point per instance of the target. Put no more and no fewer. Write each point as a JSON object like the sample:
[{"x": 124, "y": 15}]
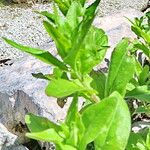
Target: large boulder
[{"x": 21, "y": 93}]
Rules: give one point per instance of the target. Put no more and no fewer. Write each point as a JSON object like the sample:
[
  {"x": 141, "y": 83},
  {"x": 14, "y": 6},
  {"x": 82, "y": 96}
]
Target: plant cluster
[{"x": 105, "y": 119}]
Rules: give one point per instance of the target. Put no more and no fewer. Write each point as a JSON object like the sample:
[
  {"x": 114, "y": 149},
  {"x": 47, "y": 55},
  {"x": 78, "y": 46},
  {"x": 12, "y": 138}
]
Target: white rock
[
  {"x": 23, "y": 25},
  {"x": 137, "y": 126},
  {"x": 117, "y": 26},
  {"x": 21, "y": 93},
  {"x": 9, "y": 141},
  {"x": 112, "y": 6}
]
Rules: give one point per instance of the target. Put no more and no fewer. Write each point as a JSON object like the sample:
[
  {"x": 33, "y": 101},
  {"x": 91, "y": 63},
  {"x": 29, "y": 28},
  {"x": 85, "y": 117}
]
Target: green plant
[
  {"x": 139, "y": 141},
  {"x": 139, "y": 86},
  {"x": 79, "y": 129},
  {"x": 104, "y": 120},
  {"x": 141, "y": 27}
]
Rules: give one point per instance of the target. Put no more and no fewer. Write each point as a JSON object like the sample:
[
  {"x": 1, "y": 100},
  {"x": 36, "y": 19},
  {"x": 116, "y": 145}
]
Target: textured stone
[
  {"x": 117, "y": 26},
  {"x": 112, "y": 6},
  {"x": 21, "y": 93},
  {"x": 9, "y": 141},
  {"x": 24, "y": 26},
  {"x": 140, "y": 125}
]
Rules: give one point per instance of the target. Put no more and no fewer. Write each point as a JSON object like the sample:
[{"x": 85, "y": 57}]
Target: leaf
[
  {"x": 121, "y": 69},
  {"x": 141, "y": 93},
  {"x": 143, "y": 77},
  {"x": 63, "y": 6},
  {"x": 98, "y": 83},
  {"x": 62, "y": 43},
  {"x": 134, "y": 139},
  {"x": 92, "y": 51},
  {"x": 42, "y": 76},
  {"x": 62, "y": 88},
  {"x": 138, "y": 67},
  {"x": 49, "y": 135},
  {"x": 48, "y": 15},
  {"x": 114, "y": 136},
  {"x": 73, "y": 136},
  {"x": 148, "y": 140},
  {"x": 74, "y": 122},
  {"x": 80, "y": 34},
  {"x": 144, "y": 48},
  {"x": 82, "y": 2},
  {"x": 142, "y": 110},
  {"x": 38, "y": 124},
  {"x": 108, "y": 122},
  {"x": 42, "y": 55},
  {"x": 73, "y": 15},
  {"x": 72, "y": 111}
]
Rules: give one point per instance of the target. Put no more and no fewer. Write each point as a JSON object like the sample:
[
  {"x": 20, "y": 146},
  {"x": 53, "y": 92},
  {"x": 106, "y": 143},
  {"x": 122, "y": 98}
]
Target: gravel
[{"x": 24, "y": 26}]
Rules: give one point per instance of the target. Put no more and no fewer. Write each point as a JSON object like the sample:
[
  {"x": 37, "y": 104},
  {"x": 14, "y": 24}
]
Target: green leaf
[
  {"x": 138, "y": 67},
  {"x": 49, "y": 135},
  {"x": 62, "y": 88},
  {"x": 143, "y": 77},
  {"x": 140, "y": 33},
  {"x": 121, "y": 69},
  {"x": 98, "y": 83},
  {"x": 114, "y": 135},
  {"x": 80, "y": 34},
  {"x": 63, "y": 6},
  {"x": 141, "y": 93},
  {"x": 144, "y": 48},
  {"x": 62, "y": 43},
  {"x": 42, "y": 76},
  {"x": 74, "y": 122},
  {"x": 42, "y": 55},
  {"x": 142, "y": 110},
  {"x": 72, "y": 111},
  {"x": 38, "y": 124},
  {"x": 93, "y": 50},
  {"x": 73, "y": 136},
  {"x": 74, "y": 13},
  {"x": 134, "y": 139},
  {"x": 48, "y": 15},
  {"x": 108, "y": 122},
  {"x": 148, "y": 140}
]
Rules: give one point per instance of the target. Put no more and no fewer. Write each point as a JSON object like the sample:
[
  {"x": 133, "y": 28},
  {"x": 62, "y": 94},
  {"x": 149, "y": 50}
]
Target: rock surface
[
  {"x": 112, "y": 6},
  {"x": 9, "y": 141},
  {"x": 22, "y": 25},
  {"x": 21, "y": 93},
  {"x": 117, "y": 26},
  {"x": 106, "y": 6}
]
